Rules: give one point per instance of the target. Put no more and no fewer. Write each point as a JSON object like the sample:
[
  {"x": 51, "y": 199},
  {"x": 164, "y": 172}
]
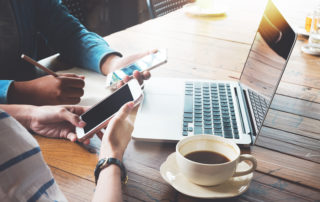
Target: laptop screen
[{"x": 269, "y": 53}]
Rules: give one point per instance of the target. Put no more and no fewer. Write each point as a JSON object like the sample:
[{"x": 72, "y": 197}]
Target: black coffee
[{"x": 207, "y": 157}]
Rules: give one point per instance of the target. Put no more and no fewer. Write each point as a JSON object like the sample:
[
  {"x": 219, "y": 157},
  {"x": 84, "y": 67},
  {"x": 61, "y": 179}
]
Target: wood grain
[
  {"x": 296, "y": 106},
  {"x": 211, "y": 27},
  {"x": 264, "y": 186},
  {"x": 288, "y": 167},
  {"x": 293, "y": 123},
  {"x": 289, "y": 143},
  {"x": 68, "y": 156},
  {"x": 144, "y": 186},
  {"x": 78, "y": 189},
  {"x": 300, "y": 92},
  {"x": 287, "y": 186},
  {"x": 74, "y": 188}
]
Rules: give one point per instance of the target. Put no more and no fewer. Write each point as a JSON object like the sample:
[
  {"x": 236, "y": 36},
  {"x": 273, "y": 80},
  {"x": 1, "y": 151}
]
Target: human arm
[
  {"x": 21, "y": 113},
  {"x": 77, "y": 45},
  {"x": 48, "y": 121},
  {"x": 69, "y": 37},
  {"x": 114, "y": 143}
]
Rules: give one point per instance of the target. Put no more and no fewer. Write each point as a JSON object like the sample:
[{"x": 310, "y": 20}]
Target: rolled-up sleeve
[
  {"x": 4, "y": 87},
  {"x": 69, "y": 37}
]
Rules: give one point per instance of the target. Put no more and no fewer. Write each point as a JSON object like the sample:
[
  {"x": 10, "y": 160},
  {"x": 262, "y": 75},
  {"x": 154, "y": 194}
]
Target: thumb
[
  {"x": 74, "y": 119},
  {"x": 124, "y": 111}
]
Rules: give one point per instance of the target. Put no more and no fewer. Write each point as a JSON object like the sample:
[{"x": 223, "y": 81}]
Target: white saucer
[
  {"x": 194, "y": 9},
  {"x": 233, "y": 187},
  {"x": 307, "y": 48}
]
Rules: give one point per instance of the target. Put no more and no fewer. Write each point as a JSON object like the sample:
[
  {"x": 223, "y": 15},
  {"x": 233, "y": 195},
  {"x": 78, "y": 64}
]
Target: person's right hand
[
  {"x": 118, "y": 134},
  {"x": 47, "y": 90}
]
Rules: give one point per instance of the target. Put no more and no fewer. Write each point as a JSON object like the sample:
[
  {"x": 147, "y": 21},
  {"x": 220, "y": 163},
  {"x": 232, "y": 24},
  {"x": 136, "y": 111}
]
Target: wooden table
[{"x": 288, "y": 150}]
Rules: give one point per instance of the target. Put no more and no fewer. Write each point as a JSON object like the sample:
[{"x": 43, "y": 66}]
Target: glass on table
[
  {"x": 313, "y": 46},
  {"x": 308, "y": 22},
  {"x": 314, "y": 38}
]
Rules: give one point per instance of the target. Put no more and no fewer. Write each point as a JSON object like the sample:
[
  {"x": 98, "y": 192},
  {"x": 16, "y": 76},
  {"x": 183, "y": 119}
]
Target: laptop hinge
[
  {"x": 247, "y": 113},
  {"x": 240, "y": 112},
  {"x": 254, "y": 132}
]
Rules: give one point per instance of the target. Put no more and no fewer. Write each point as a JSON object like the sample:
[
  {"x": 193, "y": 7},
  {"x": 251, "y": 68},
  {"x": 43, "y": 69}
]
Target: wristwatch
[{"x": 105, "y": 162}]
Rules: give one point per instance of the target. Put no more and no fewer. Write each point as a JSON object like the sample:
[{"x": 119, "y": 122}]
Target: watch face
[{"x": 101, "y": 163}]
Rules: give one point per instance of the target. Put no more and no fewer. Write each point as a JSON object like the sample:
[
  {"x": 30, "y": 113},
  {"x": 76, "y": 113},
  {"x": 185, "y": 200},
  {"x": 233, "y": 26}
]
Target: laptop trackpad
[{"x": 160, "y": 115}]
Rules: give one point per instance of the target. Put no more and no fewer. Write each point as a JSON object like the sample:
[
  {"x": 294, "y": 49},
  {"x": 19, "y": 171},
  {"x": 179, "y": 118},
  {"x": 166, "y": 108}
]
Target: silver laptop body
[{"x": 175, "y": 108}]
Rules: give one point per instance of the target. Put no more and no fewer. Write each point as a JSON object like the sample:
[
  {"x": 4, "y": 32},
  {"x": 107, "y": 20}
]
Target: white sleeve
[{"x": 24, "y": 174}]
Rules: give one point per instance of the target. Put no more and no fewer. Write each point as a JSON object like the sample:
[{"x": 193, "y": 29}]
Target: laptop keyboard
[
  {"x": 259, "y": 107},
  {"x": 209, "y": 109}
]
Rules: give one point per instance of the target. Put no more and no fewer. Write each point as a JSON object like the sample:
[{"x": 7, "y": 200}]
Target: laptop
[{"x": 176, "y": 108}]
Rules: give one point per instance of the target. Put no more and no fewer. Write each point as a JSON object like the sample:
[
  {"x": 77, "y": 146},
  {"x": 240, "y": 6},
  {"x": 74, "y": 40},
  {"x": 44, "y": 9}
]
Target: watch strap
[{"x": 105, "y": 162}]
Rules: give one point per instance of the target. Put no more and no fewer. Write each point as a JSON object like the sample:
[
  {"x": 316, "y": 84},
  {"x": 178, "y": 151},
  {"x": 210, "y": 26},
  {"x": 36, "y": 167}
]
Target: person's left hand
[
  {"x": 57, "y": 121},
  {"x": 114, "y": 62}
]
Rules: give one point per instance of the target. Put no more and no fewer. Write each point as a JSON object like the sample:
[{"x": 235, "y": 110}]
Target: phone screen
[{"x": 106, "y": 108}]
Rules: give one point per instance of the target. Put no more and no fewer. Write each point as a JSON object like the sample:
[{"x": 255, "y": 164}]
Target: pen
[{"x": 30, "y": 60}]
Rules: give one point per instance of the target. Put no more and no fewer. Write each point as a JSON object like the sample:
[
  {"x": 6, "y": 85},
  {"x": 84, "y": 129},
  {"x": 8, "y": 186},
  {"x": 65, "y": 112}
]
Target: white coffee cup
[{"x": 211, "y": 174}]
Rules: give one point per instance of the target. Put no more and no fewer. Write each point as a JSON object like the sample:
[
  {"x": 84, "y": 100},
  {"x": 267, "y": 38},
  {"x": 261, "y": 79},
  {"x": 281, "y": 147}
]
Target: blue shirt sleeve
[
  {"x": 69, "y": 37},
  {"x": 4, "y": 87}
]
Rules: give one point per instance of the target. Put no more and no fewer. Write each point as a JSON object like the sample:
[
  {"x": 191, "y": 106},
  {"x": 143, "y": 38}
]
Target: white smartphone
[
  {"x": 97, "y": 116},
  {"x": 146, "y": 63}
]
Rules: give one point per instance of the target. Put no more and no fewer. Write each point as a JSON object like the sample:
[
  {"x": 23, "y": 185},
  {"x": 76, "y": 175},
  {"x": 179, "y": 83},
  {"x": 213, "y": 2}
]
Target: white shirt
[{"x": 24, "y": 176}]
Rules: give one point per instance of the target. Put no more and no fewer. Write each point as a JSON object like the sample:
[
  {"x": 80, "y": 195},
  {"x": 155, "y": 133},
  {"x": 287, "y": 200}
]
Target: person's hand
[
  {"x": 57, "y": 121},
  {"x": 118, "y": 134},
  {"x": 48, "y": 90},
  {"x": 114, "y": 62}
]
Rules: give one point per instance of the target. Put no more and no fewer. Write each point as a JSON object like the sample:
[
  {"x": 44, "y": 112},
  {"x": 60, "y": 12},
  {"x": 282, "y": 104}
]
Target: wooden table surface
[{"x": 288, "y": 149}]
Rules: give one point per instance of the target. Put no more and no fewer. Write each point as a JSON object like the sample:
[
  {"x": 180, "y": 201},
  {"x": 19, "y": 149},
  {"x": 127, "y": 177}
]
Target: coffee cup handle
[{"x": 248, "y": 157}]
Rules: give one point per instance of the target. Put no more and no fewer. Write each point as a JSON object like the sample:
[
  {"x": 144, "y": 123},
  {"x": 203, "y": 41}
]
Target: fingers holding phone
[
  {"x": 56, "y": 121},
  {"x": 140, "y": 76},
  {"x": 97, "y": 117},
  {"x": 139, "y": 66},
  {"x": 117, "y": 134}
]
